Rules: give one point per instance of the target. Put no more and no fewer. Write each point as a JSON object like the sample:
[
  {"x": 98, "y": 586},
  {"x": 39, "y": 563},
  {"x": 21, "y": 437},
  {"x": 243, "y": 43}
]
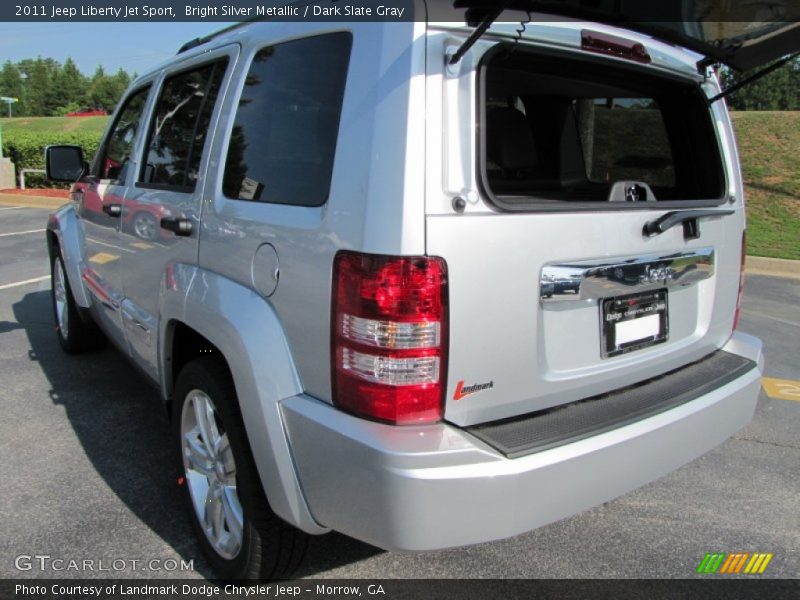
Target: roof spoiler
[{"x": 199, "y": 41}]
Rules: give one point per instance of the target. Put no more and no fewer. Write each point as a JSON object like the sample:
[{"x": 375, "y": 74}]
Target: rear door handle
[
  {"x": 176, "y": 225},
  {"x": 113, "y": 210}
]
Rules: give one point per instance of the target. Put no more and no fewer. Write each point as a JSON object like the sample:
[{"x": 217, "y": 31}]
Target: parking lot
[{"x": 89, "y": 470}]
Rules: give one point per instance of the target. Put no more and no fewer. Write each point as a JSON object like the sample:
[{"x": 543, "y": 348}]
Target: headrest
[{"x": 509, "y": 141}]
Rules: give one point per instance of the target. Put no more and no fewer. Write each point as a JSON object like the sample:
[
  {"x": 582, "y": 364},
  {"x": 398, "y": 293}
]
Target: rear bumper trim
[
  {"x": 427, "y": 487},
  {"x": 563, "y": 424}
]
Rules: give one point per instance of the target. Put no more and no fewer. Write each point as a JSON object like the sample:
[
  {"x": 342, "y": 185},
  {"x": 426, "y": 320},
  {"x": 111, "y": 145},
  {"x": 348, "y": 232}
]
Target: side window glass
[
  {"x": 118, "y": 149},
  {"x": 283, "y": 141},
  {"x": 179, "y": 126}
]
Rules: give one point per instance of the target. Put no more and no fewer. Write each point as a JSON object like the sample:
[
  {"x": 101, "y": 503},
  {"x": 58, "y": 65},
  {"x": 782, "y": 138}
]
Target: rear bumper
[{"x": 432, "y": 487}]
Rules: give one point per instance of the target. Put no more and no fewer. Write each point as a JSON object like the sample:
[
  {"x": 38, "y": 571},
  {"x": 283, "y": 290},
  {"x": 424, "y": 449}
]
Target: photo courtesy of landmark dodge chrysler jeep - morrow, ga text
[{"x": 426, "y": 283}]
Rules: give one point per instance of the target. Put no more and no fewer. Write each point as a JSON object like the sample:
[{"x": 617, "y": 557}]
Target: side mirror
[{"x": 64, "y": 163}]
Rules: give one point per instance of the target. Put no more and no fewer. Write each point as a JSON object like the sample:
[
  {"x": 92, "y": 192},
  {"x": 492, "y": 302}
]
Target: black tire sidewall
[
  {"x": 198, "y": 375},
  {"x": 70, "y": 341},
  {"x": 82, "y": 332}
]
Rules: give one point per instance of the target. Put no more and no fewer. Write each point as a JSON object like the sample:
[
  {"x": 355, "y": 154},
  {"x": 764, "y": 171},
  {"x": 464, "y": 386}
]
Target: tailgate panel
[{"x": 511, "y": 353}]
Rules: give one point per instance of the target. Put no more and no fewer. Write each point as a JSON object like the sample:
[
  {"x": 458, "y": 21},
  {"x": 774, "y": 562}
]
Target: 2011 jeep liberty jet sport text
[{"x": 424, "y": 283}]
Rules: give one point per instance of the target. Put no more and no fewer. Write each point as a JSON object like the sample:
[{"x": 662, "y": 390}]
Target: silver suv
[{"x": 424, "y": 283}]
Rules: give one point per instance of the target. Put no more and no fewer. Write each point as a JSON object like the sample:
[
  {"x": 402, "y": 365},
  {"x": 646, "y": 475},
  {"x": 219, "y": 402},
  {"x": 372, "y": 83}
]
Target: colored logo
[
  {"x": 739, "y": 562},
  {"x": 463, "y": 391}
]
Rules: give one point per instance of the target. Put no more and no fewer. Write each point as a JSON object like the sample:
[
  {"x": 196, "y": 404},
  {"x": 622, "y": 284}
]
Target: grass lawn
[
  {"x": 769, "y": 148},
  {"x": 45, "y": 124}
]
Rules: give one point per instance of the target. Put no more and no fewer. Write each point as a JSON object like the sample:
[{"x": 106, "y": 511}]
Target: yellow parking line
[
  {"x": 142, "y": 245},
  {"x": 94, "y": 241},
  {"x": 782, "y": 389},
  {"x": 102, "y": 258}
]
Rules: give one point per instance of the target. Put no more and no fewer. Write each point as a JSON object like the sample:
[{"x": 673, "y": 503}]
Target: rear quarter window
[{"x": 282, "y": 145}]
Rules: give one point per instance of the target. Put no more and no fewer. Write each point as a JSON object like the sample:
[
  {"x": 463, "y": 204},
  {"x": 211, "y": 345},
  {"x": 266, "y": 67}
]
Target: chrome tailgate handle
[{"x": 591, "y": 280}]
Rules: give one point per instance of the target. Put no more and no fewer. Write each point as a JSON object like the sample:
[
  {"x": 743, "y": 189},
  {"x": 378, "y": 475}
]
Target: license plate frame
[{"x": 633, "y": 322}]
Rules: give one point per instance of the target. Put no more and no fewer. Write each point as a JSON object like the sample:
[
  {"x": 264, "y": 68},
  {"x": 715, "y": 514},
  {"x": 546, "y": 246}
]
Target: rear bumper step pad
[{"x": 542, "y": 430}]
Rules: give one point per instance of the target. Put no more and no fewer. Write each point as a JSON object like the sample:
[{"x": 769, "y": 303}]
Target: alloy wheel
[{"x": 211, "y": 474}]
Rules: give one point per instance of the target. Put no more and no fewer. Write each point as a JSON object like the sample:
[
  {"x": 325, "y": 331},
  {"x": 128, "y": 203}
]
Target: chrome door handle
[{"x": 178, "y": 226}]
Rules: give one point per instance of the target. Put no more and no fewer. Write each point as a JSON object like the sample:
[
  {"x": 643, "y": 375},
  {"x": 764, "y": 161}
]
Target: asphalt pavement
[{"x": 89, "y": 468}]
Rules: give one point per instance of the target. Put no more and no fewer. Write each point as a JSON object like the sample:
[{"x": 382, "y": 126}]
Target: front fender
[
  {"x": 65, "y": 225},
  {"x": 244, "y": 327}
]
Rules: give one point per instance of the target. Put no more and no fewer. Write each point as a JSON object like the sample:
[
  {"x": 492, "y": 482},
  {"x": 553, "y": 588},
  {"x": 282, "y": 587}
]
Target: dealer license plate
[{"x": 633, "y": 322}]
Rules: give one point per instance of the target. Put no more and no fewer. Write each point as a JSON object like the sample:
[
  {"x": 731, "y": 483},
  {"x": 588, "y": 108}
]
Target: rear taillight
[
  {"x": 741, "y": 282},
  {"x": 389, "y": 336}
]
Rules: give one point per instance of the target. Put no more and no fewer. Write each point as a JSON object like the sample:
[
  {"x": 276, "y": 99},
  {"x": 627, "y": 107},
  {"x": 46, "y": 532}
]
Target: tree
[
  {"x": 104, "y": 91},
  {"x": 70, "y": 85},
  {"x": 38, "y": 87},
  {"x": 11, "y": 85},
  {"x": 780, "y": 90},
  {"x": 46, "y": 88}
]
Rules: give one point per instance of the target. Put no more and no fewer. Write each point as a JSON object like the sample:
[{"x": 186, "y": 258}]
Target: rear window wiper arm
[{"x": 687, "y": 217}]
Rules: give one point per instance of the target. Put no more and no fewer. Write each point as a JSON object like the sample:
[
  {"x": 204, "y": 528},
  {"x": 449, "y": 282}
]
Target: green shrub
[{"x": 26, "y": 149}]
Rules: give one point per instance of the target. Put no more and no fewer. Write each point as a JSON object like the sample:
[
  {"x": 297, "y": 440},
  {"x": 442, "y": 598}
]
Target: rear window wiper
[{"x": 687, "y": 217}]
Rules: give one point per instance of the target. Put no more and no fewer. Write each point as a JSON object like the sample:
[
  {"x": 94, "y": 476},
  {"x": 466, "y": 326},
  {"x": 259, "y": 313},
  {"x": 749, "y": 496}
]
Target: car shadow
[
  {"x": 126, "y": 435},
  {"x": 774, "y": 189}
]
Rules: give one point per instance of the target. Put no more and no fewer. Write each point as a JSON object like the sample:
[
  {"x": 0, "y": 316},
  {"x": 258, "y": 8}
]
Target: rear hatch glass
[{"x": 569, "y": 131}]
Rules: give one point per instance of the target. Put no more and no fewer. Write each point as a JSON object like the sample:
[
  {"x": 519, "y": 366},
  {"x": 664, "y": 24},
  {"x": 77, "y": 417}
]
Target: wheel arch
[
  {"x": 209, "y": 313},
  {"x": 64, "y": 236}
]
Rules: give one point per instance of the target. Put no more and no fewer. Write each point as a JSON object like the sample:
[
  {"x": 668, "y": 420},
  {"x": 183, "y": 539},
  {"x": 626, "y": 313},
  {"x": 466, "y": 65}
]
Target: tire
[
  {"x": 248, "y": 541},
  {"x": 74, "y": 334},
  {"x": 145, "y": 225}
]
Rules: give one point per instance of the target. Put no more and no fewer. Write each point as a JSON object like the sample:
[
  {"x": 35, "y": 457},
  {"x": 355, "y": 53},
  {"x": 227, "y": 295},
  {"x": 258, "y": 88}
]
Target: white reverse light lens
[
  {"x": 387, "y": 370},
  {"x": 391, "y": 334}
]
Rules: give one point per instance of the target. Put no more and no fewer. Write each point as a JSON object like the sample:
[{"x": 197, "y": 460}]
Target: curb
[
  {"x": 32, "y": 201},
  {"x": 775, "y": 267},
  {"x": 754, "y": 265}
]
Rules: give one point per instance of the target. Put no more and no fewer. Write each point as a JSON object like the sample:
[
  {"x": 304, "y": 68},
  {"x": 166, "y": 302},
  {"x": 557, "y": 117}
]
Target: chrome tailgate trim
[{"x": 591, "y": 280}]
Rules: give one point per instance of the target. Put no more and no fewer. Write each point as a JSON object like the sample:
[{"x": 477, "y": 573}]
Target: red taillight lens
[
  {"x": 741, "y": 282},
  {"x": 389, "y": 336}
]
